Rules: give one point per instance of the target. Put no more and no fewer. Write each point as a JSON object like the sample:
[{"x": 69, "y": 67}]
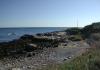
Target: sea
[{"x": 9, "y": 34}]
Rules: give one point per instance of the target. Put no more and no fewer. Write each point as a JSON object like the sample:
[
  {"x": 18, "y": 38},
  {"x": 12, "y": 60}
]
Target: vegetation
[
  {"x": 75, "y": 37},
  {"x": 74, "y": 34},
  {"x": 87, "y": 61},
  {"x": 83, "y": 32},
  {"x": 73, "y": 31},
  {"x": 89, "y": 29}
]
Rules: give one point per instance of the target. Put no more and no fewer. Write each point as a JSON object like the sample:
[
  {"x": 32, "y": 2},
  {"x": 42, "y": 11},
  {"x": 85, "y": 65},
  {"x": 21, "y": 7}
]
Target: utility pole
[{"x": 77, "y": 23}]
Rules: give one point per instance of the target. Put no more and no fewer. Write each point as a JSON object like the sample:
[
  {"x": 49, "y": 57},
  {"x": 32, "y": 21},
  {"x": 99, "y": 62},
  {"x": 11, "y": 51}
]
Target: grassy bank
[{"x": 87, "y": 61}]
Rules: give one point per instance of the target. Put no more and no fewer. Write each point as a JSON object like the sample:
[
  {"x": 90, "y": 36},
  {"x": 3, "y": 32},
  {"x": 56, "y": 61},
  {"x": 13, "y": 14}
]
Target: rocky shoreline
[
  {"x": 29, "y": 43},
  {"x": 40, "y": 49},
  {"x": 31, "y": 52}
]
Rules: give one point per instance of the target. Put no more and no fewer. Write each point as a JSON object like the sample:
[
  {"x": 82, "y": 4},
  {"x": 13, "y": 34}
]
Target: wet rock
[{"x": 27, "y": 37}]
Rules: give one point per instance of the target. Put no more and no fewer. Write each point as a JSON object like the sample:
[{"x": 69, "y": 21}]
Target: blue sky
[{"x": 48, "y": 13}]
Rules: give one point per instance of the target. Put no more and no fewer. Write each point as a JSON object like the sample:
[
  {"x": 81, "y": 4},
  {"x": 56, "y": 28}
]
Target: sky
[{"x": 48, "y": 13}]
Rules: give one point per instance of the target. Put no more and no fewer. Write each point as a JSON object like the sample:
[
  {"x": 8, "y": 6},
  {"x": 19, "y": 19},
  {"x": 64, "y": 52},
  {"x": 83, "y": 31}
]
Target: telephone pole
[{"x": 77, "y": 23}]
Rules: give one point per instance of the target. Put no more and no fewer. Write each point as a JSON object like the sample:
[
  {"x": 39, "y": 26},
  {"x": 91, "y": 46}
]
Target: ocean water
[{"x": 8, "y": 34}]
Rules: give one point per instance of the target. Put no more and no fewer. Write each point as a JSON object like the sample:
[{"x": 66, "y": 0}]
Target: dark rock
[{"x": 27, "y": 37}]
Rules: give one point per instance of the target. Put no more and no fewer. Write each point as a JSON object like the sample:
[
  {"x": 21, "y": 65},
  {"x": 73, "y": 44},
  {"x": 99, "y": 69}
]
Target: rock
[
  {"x": 29, "y": 67},
  {"x": 65, "y": 59},
  {"x": 27, "y": 37},
  {"x": 30, "y": 47},
  {"x": 69, "y": 57},
  {"x": 16, "y": 69}
]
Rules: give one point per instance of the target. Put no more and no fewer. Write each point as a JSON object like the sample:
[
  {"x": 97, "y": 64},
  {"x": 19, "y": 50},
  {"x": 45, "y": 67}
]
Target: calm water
[{"x": 8, "y": 34}]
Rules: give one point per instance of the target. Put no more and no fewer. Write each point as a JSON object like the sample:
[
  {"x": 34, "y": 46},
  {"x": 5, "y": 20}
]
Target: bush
[
  {"x": 89, "y": 29},
  {"x": 75, "y": 38},
  {"x": 73, "y": 31}
]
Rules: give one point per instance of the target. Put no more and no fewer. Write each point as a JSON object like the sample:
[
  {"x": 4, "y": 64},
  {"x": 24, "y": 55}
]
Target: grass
[
  {"x": 87, "y": 61},
  {"x": 75, "y": 37}
]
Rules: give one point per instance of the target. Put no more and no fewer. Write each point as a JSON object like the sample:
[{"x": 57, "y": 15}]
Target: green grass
[
  {"x": 87, "y": 61},
  {"x": 75, "y": 37}
]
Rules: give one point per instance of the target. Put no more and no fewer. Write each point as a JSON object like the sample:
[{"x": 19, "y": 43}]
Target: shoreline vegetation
[{"x": 30, "y": 45}]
